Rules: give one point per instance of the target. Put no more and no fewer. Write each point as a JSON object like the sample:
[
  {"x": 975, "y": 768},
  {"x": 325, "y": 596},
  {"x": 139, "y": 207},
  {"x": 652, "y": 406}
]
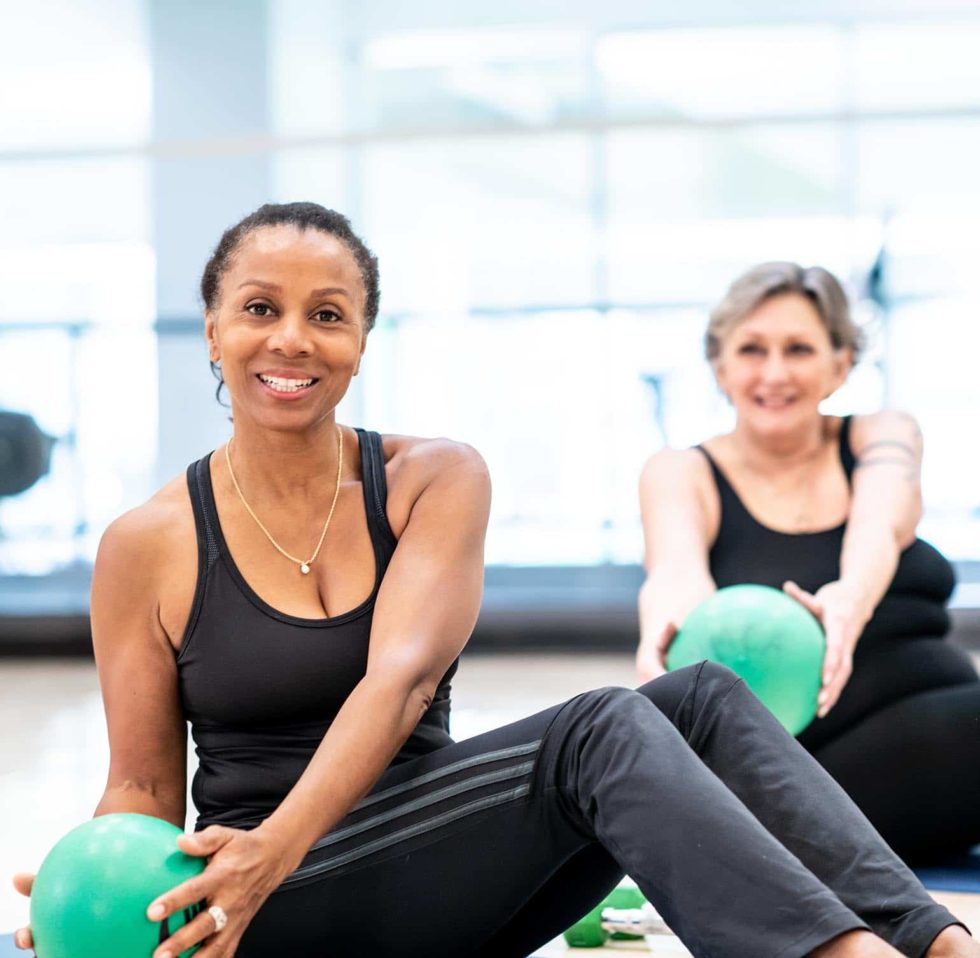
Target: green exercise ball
[
  {"x": 91, "y": 893},
  {"x": 625, "y": 896},
  {"x": 764, "y": 636},
  {"x": 588, "y": 932}
]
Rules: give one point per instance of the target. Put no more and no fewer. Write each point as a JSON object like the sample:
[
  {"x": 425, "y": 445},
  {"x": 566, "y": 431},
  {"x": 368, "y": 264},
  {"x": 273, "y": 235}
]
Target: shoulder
[
  {"x": 427, "y": 457},
  {"x": 138, "y": 541},
  {"x": 678, "y": 483},
  {"x": 885, "y": 426},
  {"x": 145, "y": 570},
  {"x": 675, "y": 470},
  {"x": 414, "y": 464},
  {"x": 678, "y": 492}
]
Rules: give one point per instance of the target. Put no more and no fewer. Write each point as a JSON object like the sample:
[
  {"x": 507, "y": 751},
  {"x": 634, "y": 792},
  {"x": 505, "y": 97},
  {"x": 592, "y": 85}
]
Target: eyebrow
[
  {"x": 792, "y": 334},
  {"x": 325, "y": 291}
]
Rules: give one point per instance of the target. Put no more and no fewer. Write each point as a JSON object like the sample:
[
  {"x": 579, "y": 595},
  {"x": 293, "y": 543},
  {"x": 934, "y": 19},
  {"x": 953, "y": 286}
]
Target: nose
[
  {"x": 775, "y": 368},
  {"x": 290, "y": 336}
]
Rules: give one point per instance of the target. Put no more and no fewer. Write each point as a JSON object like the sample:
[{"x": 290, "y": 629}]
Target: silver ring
[{"x": 219, "y": 916}]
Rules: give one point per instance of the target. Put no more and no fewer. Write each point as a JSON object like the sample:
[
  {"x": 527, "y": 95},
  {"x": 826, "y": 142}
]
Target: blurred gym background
[{"x": 557, "y": 192}]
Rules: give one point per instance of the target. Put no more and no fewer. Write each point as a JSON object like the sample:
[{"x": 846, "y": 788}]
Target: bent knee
[
  {"x": 712, "y": 674},
  {"x": 712, "y": 685},
  {"x": 610, "y": 696},
  {"x": 613, "y": 705}
]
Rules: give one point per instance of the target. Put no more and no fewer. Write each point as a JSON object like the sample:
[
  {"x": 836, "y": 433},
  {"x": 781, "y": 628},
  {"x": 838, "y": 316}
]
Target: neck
[
  {"x": 286, "y": 465},
  {"x": 764, "y": 453}
]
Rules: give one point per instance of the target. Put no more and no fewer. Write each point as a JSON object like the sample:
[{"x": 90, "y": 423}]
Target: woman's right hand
[
  {"x": 651, "y": 656},
  {"x": 23, "y": 882}
]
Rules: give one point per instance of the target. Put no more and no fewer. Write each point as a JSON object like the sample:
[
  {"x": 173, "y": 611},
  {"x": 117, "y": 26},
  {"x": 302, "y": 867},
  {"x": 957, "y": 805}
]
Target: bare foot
[
  {"x": 855, "y": 944},
  {"x": 954, "y": 942}
]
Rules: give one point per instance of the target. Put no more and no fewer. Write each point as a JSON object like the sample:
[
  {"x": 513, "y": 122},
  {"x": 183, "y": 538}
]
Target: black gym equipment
[{"x": 25, "y": 452}]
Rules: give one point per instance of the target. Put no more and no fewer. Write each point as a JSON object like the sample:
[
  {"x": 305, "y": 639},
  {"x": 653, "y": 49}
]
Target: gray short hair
[{"x": 761, "y": 282}]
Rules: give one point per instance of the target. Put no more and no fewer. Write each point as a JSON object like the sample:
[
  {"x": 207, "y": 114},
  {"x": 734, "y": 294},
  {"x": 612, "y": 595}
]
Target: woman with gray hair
[{"x": 825, "y": 508}]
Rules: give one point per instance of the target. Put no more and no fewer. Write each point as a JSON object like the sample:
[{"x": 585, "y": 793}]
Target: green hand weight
[
  {"x": 588, "y": 932},
  {"x": 91, "y": 893},
  {"x": 764, "y": 636}
]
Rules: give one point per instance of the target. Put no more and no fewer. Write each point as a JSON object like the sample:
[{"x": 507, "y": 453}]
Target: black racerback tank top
[
  {"x": 260, "y": 687},
  {"x": 746, "y": 551}
]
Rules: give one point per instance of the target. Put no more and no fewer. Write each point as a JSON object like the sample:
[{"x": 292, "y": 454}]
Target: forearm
[
  {"x": 869, "y": 558},
  {"x": 168, "y": 804},
  {"x": 374, "y": 722},
  {"x": 666, "y": 598}
]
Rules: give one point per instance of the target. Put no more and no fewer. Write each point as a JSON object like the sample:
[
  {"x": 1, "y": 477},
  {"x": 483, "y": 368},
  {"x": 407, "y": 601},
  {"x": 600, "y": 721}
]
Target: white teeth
[{"x": 285, "y": 385}]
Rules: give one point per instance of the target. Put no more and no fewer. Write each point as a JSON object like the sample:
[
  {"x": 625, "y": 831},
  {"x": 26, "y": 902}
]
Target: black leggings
[
  {"x": 904, "y": 742},
  {"x": 490, "y": 847}
]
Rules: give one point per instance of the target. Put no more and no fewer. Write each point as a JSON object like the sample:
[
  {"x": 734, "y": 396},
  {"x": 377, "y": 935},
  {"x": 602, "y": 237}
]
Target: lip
[
  {"x": 284, "y": 372},
  {"x": 782, "y": 404},
  {"x": 287, "y": 396}
]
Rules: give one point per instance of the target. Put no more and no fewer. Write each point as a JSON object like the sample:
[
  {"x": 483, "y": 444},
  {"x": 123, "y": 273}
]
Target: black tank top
[
  {"x": 745, "y": 551},
  {"x": 259, "y": 687}
]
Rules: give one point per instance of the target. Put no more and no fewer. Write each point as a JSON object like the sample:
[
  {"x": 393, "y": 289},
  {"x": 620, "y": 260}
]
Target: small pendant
[{"x": 305, "y": 569}]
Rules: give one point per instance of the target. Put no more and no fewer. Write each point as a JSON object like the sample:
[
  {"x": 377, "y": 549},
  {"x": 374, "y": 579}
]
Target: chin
[
  {"x": 283, "y": 420},
  {"x": 779, "y": 421}
]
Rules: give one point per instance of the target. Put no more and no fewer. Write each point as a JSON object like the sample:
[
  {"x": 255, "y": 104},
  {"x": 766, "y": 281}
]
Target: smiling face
[
  {"x": 288, "y": 326},
  {"x": 779, "y": 364}
]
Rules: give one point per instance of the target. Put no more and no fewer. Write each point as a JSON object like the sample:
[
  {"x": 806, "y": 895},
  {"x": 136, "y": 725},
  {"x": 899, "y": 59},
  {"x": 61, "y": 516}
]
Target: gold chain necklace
[{"x": 304, "y": 567}]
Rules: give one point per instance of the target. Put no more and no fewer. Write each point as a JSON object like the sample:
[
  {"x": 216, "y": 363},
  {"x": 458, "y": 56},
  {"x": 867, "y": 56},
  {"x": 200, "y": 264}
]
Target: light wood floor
[
  {"x": 965, "y": 907},
  {"x": 54, "y": 753}
]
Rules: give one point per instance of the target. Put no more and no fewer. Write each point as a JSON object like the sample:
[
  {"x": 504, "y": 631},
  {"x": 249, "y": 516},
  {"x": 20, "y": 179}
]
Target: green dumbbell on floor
[{"x": 623, "y": 914}]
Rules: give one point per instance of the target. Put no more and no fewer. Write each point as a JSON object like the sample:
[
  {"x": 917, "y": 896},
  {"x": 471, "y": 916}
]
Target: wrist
[
  {"x": 861, "y": 597},
  {"x": 286, "y": 845}
]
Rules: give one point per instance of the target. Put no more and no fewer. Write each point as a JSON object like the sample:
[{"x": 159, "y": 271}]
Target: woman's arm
[
  {"x": 138, "y": 677},
  {"x": 677, "y": 532},
  {"x": 425, "y": 611},
  {"x": 137, "y": 674},
  {"x": 886, "y": 505},
  {"x": 426, "y": 608}
]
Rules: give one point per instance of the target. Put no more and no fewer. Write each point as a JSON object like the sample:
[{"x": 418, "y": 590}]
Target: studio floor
[{"x": 55, "y": 754}]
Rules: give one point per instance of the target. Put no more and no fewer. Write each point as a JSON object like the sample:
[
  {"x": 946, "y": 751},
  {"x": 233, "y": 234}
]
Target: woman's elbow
[
  {"x": 416, "y": 698},
  {"x": 420, "y": 699},
  {"x": 906, "y": 529},
  {"x": 166, "y": 800},
  {"x": 408, "y": 681}
]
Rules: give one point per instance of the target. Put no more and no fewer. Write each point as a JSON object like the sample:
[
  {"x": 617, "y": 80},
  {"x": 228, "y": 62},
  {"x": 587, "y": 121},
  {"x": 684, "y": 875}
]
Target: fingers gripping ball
[
  {"x": 91, "y": 893},
  {"x": 768, "y": 639}
]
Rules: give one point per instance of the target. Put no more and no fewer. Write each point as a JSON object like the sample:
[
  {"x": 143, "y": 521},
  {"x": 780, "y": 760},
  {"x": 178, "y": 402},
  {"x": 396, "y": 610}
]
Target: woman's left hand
[
  {"x": 843, "y": 613},
  {"x": 245, "y": 867}
]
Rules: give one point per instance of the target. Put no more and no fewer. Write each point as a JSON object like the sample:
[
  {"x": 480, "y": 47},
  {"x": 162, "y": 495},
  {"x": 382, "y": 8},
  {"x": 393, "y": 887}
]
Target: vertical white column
[{"x": 210, "y": 80}]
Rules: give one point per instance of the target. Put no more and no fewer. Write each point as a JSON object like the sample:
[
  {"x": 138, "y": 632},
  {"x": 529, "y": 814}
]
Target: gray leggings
[{"x": 490, "y": 847}]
